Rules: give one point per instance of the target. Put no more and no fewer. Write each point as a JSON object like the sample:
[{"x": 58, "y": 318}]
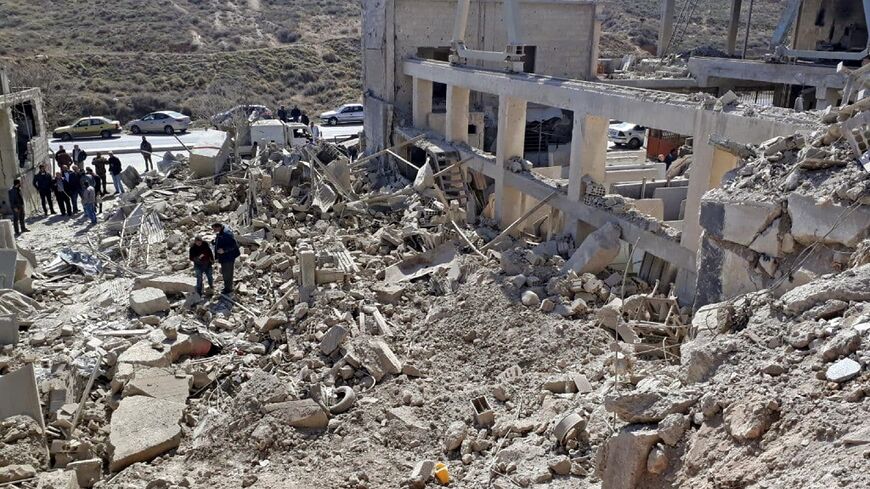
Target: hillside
[{"x": 125, "y": 58}]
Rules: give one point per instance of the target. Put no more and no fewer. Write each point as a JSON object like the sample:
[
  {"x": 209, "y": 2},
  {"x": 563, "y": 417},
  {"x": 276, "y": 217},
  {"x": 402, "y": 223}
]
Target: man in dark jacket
[
  {"x": 62, "y": 157},
  {"x": 60, "y": 194},
  {"x": 72, "y": 185},
  {"x": 295, "y": 114},
  {"x": 100, "y": 164},
  {"x": 115, "y": 170},
  {"x": 203, "y": 259},
  {"x": 282, "y": 114},
  {"x": 78, "y": 155},
  {"x": 16, "y": 202},
  {"x": 227, "y": 250},
  {"x": 145, "y": 148},
  {"x": 43, "y": 183}
]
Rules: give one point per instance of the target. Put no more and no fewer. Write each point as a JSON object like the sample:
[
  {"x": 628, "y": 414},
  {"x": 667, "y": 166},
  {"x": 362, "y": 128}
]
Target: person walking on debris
[
  {"x": 115, "y": 170},
  {"x": 72, "y": 185},
  {"x": 203, "y": 259},
  {"x": 282, "y": 114},
  {"x": 62, "y": 158},
  {"x": 295, "y": 114},
  {"x": 98, "y": 183},
  {"x": 43, "y": 183},
  {"x": 100, "y": 166},
  {"x": 145, "y": 148},
  {"x": 89, "y": 201},
  {"x": 78, "y": 155},
  {"x": 16, "y": 202},
  {"x": 60, "y": 195},
  {"x": 227, "y": 250}
]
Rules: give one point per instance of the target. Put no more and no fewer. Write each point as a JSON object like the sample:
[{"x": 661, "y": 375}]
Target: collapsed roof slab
[{"x": 707, "y": 70}]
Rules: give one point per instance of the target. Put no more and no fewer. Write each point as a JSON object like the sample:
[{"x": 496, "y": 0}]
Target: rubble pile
[{"x": 795, "y": 208}]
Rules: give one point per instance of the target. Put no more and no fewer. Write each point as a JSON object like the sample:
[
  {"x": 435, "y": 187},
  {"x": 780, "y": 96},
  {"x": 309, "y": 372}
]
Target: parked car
[
  {"x": 626, "y": 134},
  {"x": 165, "y": 121},
  {"x": 90, "y": 126},
  {"x": 225, "y": 120},
  {"x": 344, "y": 114}
]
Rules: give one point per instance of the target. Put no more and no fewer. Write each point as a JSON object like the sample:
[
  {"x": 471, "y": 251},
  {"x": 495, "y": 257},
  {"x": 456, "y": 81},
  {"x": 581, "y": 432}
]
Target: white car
[
  {"x": 344, "y": 114},
  {"x": 165, "y": 121},
  {"x": 627, "y": 134}
]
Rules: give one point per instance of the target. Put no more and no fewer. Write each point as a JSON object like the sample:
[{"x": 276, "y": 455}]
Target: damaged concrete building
[{"x": 23, "y": 138}]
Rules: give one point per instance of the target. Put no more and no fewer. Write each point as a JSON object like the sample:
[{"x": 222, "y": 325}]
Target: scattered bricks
[
  {"x": 483, "y": 414},
  {"x": 332, "y": 339},
  {"x": 148, "y": 301},
  {"x": 388, "y": 294}
]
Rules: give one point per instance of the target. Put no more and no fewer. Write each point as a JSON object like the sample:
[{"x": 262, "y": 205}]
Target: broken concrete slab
[
  {"x": 12, "y": 473},
  {"x": 624, "y": 460},
  {"x": 333, "y": 339},
  {"x": 851, "y": 285},
  {"x": 388, "y": 293},
  {"x": 148, "y": 301},
  {"x": 158, "y": 383},
  {"x": 813, "y": 221},
  {"x": 169, "y": 284},
  {"x": 142, "y": 428},
  {"x": 407, "y": 416},
  {"x": 20, "y": 395},
  {"x": 88, "y": 472},
  {"x": 304, "y": 413},
  {"x": 648, "y": 407},
  {"x": 442, "y": 257},
  {"x": 8, "y": 329},
  {"x": 597, "y": 251}
]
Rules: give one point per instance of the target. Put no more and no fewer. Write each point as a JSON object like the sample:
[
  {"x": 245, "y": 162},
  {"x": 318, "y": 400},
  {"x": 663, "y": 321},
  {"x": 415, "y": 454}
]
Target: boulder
[
  {"x": 597, "y": 251},
  {"x": 148, "y": 301},
  {"x": 625, "y": 456},
  {"x": 748, "y": 420},
  {"x": 530, "y": 299},
  {"x": 142, "y": 428}
]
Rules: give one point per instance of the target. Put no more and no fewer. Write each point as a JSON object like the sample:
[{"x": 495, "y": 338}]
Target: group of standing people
[
  {"x": 296, "y": 115},
  {"x": 226, "y": 249}
]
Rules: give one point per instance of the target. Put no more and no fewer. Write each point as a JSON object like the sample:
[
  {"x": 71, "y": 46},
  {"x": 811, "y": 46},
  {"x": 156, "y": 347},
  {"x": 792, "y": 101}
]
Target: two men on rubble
[{"x": 226, "y": 249}]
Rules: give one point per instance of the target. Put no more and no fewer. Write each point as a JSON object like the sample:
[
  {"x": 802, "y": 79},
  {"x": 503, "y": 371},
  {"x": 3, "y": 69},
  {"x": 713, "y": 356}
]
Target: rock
[
  {"x": 597, "y": 251},
  {"x": 300, "y": 311},
  {"x": 421, "y": 473},
  {"x": 148, "y": 301},
  {"x": 500, "y": 393},
  {"x": 332, "y": 339},
  {"x": 748, "y": 420},
  {"x": 88, "y": 472},
  {"x": 170, "y": 284},
  {"x": 609, "y": 315},
  {"x": 699, "y": 358},
  {"x": 455, "y": 435},
  {"x": 159, "y": 384},
  {"x": 407, "y": 416},
  {"x": 671, "y": 428},
  {"x": 657, "y": 462},
  {"x": 266, "y": 324},
  {"x": 844, "y": 370},
  {"x": 560, "y": 465},
  {"x": 12, "y": 473},
  {"x": 143, "y": 428},
  {"x": 844, "y": 343},
  {"x": 774, "y": 369},
  {"x": 388, "y": 294},
  {"x": 530, "y": 299},
  {"x": 625, "y": 457},
  {"x": 517, "y": 280},
  {"x": 304, "y": 413},
  {"x": 547, "y": 306},
  {"x": 648, "y": 407},
  {"x": 851, "y": 285}
]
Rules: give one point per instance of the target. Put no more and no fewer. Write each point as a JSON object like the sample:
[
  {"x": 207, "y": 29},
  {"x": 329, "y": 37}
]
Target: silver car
[
  {"x": 165, "y": 121},
  {"x": 345, "y": 113}
]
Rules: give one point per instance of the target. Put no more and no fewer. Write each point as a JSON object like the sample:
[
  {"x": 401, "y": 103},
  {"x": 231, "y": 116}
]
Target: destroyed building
[
  {"x": 434, "y": 314},
  {"x": 23, "y": 138}
]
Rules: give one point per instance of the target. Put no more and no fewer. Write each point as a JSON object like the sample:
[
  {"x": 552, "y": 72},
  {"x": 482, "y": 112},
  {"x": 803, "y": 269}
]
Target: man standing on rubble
[
  {"x": 16, "y": 202},
  {"x": 295, "y": 114},
  {"x": 203, "y": 259},
  {"x": 60, "y": 195},
  {"x": 115, "y": 170},
  {"x": 89, "y": 201},
  {"x": 227, "y": 250},
  {"x": 42, "y": 181},
  {"x": 98, "y": 183},
  {"x": 145, "y": 148},
  {"x": 72, "y": 185},
  {"x": 100, "y": 167}
]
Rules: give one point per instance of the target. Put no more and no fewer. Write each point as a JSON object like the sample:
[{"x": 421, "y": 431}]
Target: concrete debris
[
  {"x": 143, "y": 428},
  {"x": 597, "y": 251},
  {"x": 148, "y": 301}
]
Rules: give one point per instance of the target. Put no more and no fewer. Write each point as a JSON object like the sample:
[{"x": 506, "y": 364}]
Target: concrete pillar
[
  {"x": 699, "y": 179},
  {"x": 666, "y": 30},
  {"x": 422, "y": 103},
  {"x": 826, "y": 97},
  {"x": 509, "y": 143},
  {"x": 733, "y": 26},
  {"x": 588, "y": 157},
  {"x": 457, "y": 114}
]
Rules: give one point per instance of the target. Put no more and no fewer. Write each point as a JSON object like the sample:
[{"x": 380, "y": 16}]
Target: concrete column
[
  {"x": 826, "y": 97},
  {"x": 422, "y": 103},
  {"x": 699, "y": 179},
  {"x": 509, "y": 143},
  {"x": 666, "y": 30},
  {"x": 457, "y": 114},
  {"x": 588, "y": 157},
  {"x": 733, "y": 26}
]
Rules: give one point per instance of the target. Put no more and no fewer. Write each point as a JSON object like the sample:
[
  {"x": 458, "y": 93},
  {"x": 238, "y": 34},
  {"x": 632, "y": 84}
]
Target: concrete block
[
  {"x": 130, "y": 177},
  {"x": 625, "y": 457},
  {"x": 388, "y": 294},
  {"x": 811, "y": 220},
  {"x": 388, "y": 360},
  {"x": 12, "y": 473},
  {"x": 597, "y": 251},
  {"x": 158, "y": 383},
  {"x": 304, "y": 413},
  {"x": 8, "y": 260},
  {"x": 143, "y": 428},
  {"x": 737, "y": 222},
  {"x": 169, "y": 284},
  {"x": 8, "y": 329},
  {"x": 332, "y": 339},
  {"x": 148, "y": 301},
  {"x": 88, "y": 472},
  {"x": 20, "y": 395}
]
